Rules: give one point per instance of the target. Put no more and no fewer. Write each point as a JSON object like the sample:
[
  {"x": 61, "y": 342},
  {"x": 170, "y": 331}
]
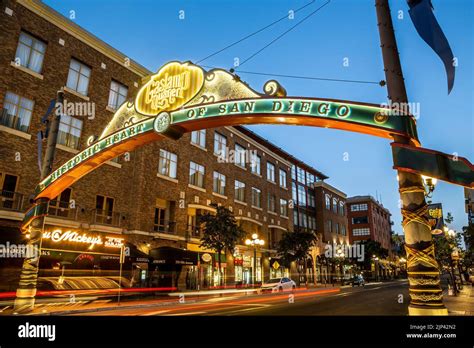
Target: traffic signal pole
[{"x": 423, "y": 269}]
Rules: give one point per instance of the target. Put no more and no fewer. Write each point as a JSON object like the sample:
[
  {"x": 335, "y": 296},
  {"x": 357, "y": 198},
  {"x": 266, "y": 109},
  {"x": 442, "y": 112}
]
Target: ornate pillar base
[
  {"x": 24, "y": 301},
  {"x": 415, "y": 310}
]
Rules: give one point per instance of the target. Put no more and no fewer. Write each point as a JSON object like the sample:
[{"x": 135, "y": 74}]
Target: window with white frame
[
  {"x": 270, "y": 172},
  {"x": 271, "y": 206},
  {"x": 239, "y": 191},
  {"x": 16, "y": 112},
  {"x": 293, "y": 172},
  {"x": 359, "y": 207},
  {"x": 196, "y": 174},
  {"x": 78, "y": 77},
  {"x": 218, "y": 183},
  {"x": 301, "y": 195},
  {"x": 168, "y": 164},
  {"x": 256, "y": 197},
  {"x": 199, "y": 138},
  {"x": 220, "y": 145},
  {"x": 30, "y": 52},
  {"x": 282, "y": 178},
  {"x": 283, "y": 207},
  {"x": 334, "y": 205},
  {"x": 361, "y": 232},
  {"x": 255, "y": 163},
  {"x": 117, "y": 95},
  {"x": 341, "y": 208},
  {"x": 301, "y": 175},
  {"x": 327, "y": 199},
  {"x": 70, "y": 129},
  {"x": 239, "y": 155}
]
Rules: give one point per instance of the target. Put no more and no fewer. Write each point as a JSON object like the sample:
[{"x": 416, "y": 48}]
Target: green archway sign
[{"x": 182, "y": 97}]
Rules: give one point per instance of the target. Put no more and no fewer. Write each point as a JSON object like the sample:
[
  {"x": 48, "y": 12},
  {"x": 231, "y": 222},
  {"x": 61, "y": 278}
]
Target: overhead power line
[
  {"x": 284, "y": 33},
  {"x": 381, "y": 83},
  {"x": 254, "y": 33}
]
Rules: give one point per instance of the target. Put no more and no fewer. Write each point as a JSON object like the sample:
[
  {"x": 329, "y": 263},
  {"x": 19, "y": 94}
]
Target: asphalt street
[{"x": 389, "y": 298}]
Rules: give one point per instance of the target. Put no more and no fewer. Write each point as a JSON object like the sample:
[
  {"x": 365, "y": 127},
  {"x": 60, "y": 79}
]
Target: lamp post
[{"x": 255, "y": 242}]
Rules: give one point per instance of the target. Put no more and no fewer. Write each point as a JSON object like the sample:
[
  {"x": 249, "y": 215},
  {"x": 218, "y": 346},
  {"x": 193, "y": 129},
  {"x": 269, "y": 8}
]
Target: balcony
[
  {"x": 62, "y": 210},
  {"x": 165, "y": 227},
  {"x": 11, "y": 200},
  {"x": 104, "y": 217}
]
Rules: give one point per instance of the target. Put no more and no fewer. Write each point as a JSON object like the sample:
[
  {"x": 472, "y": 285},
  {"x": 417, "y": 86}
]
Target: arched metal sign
[{"x": 182, "y": 97}]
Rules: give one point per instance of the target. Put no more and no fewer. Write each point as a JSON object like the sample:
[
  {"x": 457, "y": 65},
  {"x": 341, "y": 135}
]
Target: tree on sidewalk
[
  {"x": 220, "y": 233},
  {"x": 296, "y": 246}
]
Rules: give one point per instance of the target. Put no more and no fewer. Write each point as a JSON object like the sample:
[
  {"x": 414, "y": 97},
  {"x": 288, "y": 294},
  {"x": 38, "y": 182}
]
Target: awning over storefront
[{"x": 173, "y": 256}]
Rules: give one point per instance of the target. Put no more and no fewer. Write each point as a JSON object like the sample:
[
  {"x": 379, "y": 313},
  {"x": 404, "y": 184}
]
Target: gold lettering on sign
[{"x": 172, "y": 87}]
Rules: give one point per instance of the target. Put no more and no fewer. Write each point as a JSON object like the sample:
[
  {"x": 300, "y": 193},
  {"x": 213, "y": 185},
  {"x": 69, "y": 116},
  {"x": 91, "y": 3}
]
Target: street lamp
[
  {"x": 430, "y": 184},
  {"x": 255, "y": 242}
]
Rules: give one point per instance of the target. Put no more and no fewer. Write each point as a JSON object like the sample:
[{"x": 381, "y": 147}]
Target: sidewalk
[{"x": 462, "y": 304}]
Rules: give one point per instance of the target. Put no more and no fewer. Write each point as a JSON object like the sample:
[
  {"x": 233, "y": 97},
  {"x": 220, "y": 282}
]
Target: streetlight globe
[
  {"x": 256, "y": 241},
  {"x": 262, "y": 242},
  {"x": 451, "y": 233},
  {"x": 254, "y": 236},
  {"x": 247, "y": 242}
]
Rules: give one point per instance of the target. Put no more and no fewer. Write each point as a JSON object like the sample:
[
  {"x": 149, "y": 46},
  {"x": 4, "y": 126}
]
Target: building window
[
  {"x": 359, "y": 207},
  {"x": 104, "y": 209},
  {"x": 256, "y": 197},
  {"x": 199, "y": 138},
  {"x": 16, "y": 112},
  {"x": 303, "y": 220},
  {"x": 117, "y": 95},
  {"x": 270, "y": 172},
  {"x": 311, "y": 199},
  {"x": 255, "y": 164},
  {"x": 301, "y": 195},
  {"x": 301, "y": 175},
  {"x": 59, "y": 206},
  {"x": 239, "y": 156},
  {"x": 310, "y": 178},
  {"x": 360, "y": 220},
  {"x": 196, "y": 174},
  {"x": 30, "y": 52},
  {"x": 327, "y": 199},
  {"x": 334, "y": 205},
  {"x": 294, "y": 193},
  {"x": 282, "y": 178},
  {"x": 8, "y": 199},
  {"x": 70, "y": 130},
  {"x": 219, "y": 183},
  {"x": 78, "y": 78},
  {"x": 361, "y": 232},
  {"x": 220, "y": 145},
  {"x": 159, "y": 222},
  {"x": 329, "y": 226},
  {"x": 312, "y": 222},
  {"x": 343, "y": 230},
  {"x": 271, "y": 203},
  {"x": 341, "y": 208},
  {"x": 168, "y": 164},
  {"x": 239, "y": 191},
  {"x": 293, "y": 172},
  {"x": 337, "y": 228},
  {"x": 283, "y": 207}
]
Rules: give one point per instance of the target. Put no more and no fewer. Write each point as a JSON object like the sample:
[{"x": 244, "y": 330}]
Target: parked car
[
  {"x": 358, "y": 280},
  {"x": 278, "y": 285}
]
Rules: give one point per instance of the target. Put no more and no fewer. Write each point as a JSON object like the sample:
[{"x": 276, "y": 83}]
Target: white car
[{"x": 278, "y": 285}]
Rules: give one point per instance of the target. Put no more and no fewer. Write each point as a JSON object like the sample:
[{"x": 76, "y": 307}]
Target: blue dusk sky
[{"x": 152, "y": 33}]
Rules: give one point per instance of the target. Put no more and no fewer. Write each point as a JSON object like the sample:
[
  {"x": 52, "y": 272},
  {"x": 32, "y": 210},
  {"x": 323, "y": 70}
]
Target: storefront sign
[
  {"x": 172, "y": 87},
  {"x": 206, "y": 257},
  {"x": 74, "y": 241}
]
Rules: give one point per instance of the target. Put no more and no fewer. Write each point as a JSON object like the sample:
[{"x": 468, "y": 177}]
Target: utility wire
[
  {"x": 382, "y": 83},
  {"x": 252, "y": 34},
  {"x": 284, "y": 33}
]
